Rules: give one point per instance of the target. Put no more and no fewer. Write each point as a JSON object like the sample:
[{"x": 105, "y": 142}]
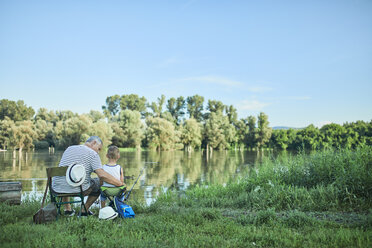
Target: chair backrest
[{"x": 56, "y": 171}]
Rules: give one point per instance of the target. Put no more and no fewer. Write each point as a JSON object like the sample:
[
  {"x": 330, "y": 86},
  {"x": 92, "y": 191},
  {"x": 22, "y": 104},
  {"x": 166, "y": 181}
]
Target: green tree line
[{"x": 166, "y": 124}]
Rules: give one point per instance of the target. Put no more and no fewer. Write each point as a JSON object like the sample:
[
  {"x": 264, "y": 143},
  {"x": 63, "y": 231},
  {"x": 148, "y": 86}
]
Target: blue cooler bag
[{"x": 124, "y": 210}]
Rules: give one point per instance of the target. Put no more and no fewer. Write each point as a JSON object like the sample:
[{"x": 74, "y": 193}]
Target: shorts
[
  {"x": 94, "y": 189},
  {"x": 103, "y": 197}
]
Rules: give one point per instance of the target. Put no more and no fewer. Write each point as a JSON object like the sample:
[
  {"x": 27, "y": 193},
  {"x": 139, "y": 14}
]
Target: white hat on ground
[
  {"x": 75, "y": 175},
  {"x": 107, "y": 213}
]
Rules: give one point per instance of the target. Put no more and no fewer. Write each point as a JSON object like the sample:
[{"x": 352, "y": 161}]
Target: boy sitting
[{"x": 113, "y": 154}]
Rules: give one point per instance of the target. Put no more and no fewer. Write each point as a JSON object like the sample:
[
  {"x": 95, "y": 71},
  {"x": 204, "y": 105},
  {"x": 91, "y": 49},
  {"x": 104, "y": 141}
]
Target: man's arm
[{"x": 108, "y": 178}]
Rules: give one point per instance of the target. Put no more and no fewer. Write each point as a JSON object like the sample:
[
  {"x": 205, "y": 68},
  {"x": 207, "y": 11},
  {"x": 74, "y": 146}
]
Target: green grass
[
  {"x": 317, "y": 200},
  {"x": 190, "y": 227}
]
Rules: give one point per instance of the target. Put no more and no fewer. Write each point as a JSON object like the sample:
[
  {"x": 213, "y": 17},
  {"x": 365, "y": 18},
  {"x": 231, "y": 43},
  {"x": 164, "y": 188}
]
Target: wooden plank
[
  {"x": 12, "y": 197},
  {"x": 11, "y": 192},
  {"x": 10, "y": 186}
]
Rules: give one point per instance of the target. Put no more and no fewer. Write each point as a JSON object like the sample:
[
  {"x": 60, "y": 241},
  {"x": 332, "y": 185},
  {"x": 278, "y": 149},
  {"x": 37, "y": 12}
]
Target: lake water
[{"x": 168, "y": 170}]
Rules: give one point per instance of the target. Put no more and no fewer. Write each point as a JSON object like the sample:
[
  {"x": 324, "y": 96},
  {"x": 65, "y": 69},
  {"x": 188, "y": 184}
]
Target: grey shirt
[{"x": 80, "y": 154}]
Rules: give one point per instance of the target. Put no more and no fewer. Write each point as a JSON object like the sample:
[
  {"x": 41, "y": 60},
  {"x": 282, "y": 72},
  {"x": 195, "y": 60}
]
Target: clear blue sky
[{"x": 300, "y": 62}]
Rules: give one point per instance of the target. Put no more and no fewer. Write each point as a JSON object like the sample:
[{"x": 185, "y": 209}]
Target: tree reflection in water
[{"x": 166, "y": 170}]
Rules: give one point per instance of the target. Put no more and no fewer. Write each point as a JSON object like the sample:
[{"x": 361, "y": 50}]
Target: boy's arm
[{"x": 121, "y": 175}]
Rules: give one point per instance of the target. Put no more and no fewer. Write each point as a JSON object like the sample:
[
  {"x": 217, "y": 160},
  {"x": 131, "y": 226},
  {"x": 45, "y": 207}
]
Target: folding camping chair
[
  {"x": 57, "y": 198},
  {"x": 110, "y": 193}
]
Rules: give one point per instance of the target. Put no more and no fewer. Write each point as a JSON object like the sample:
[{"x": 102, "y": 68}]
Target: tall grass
[{"x": 330, "y": 180}]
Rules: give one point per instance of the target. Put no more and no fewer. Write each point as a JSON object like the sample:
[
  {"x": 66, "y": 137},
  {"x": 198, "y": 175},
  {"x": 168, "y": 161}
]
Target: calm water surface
[{"x": 169, "y": 170}]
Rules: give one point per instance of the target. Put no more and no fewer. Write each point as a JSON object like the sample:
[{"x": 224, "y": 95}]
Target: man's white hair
[{"x": 94, "y": 138}]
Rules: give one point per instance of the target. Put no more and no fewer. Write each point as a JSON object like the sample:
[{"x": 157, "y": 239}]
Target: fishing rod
[{"x": 127, "y": 193}]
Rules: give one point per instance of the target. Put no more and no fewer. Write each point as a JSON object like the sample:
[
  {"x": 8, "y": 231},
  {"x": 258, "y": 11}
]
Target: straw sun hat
[{"x": 75, "y": 175}]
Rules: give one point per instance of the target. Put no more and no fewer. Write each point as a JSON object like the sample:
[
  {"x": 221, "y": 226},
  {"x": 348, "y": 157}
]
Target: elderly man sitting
[{"x": 86, "y": 155}]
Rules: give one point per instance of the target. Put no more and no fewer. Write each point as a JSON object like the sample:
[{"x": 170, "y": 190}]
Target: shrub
[{"x": 40, "y": 145}]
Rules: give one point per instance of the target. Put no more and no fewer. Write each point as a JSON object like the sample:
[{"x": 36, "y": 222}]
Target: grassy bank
[
  {"x": 318, "y": 200},
  {"x": 323, "y": 181}
]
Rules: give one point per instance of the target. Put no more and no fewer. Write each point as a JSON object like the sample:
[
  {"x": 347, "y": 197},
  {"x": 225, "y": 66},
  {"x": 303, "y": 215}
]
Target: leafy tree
[
  {"x": 130, "y": 123},
  {"x": 167, "y": 116},
  {"x": 251, "y": 137},
  {"x": 263, "y": 130},
  {"x": 215, "y": 106},
  {"x": 118, "y": 138},
  {"x": 16, "y": 111},
  {"x": 195, "y": 107},
  {"x": 230, "y": 134},
  {"x": 332, "y": 134},
  {"x": 364, "y": 130},
  {"x": 112, "y": 106},
  {"x": 6, "y": 127},
  {"x": 70, "y": 131},
  {"x": 308, "y": 138},
  {"x": 176, "y": 107},
  {"x": 45, "y": 121},
  {"x": 219, "y": 134},
  {"x": 232, "y": 114},
  {"x": 369, "y": 134},
  {"x": 101, "y": 129},
  {"x": 191, "y": 135},
  {"x": 350, "y": 138},
  {"x": 65, "y": 115},
  {"x": 157, "y": 107},
  {"x": 44, "y": 131},
  {"x": 96, "y": 115},
  {"x": 279, "y": 139},
  {"x": 360, "y": 127},
  {"x": 161, "y": 134},
  {"x": 42, "y": 114},
  {"x": 48, "y": 116},
  {"x": 291, "y": 134},
  {"x": 133, "y": 102},
  {"x": 23, "y": 135},
  {"x": 241, "y": 132}
]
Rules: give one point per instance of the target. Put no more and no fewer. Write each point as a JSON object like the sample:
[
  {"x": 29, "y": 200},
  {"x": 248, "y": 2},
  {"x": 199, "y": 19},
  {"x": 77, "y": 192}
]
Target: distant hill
[{"x": 284, "y": 128}]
